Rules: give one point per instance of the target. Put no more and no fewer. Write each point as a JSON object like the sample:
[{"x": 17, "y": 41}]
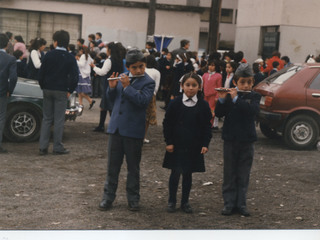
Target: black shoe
[
  {"x": 43, "y": 152},
  {"x": 133, "y": 206},
  {"x": 186, "y": 208},
  {"x": 98, "y": 129},
  {"x": 92, "y": 103},
  {"x": 64, "y": 151},
  {"x": 244, "y": 211},
  {"x": 171, "y": 207},
  {"x": 2, "y": 150},
  {"x": 227, "y": 211},
  {"x": 105, "y": 205}
]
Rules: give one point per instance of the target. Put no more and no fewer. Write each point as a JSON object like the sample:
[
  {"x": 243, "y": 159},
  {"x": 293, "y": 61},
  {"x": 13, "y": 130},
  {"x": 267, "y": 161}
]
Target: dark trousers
[
  {"x": 238, "y": 158},
  {"x": 173, "y": 186},
  {"x": 118, "y": 146},
  {"x": 54, "y": 108}
]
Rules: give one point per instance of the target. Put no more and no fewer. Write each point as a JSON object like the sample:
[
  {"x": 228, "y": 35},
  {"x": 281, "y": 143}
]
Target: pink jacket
[{"x": 210, "y": 82}]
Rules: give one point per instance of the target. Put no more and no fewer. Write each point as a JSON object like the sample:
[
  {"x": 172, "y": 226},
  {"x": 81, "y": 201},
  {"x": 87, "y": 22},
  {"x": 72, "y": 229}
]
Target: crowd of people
[{"x": 197, "y": 91}]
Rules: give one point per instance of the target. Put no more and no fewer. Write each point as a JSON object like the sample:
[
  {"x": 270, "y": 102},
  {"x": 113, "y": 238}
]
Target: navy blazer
[
  {"x": 129, "y": 110},
  {"x": 8, "y": 73},
  {"x": 239, "y": 122}
]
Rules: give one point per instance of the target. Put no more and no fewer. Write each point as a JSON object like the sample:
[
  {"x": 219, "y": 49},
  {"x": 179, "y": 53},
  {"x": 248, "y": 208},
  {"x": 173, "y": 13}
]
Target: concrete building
[
  {"x": 289, "y": 26},
  {"x": 124, "y": 20}
]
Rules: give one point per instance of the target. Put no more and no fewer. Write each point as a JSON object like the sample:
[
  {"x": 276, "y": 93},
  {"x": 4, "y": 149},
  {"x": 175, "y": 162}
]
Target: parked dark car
[
  {"x": 24, "y": 112},
  {"x": 290, "y": 105}
]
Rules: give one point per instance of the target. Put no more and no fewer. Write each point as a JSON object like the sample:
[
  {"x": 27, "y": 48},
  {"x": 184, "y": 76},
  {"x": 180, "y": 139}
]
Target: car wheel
[
  {"x": 22, "y": 124},
  {"x": 301, "y": 132},
  {"x": 269, "y": 132}
]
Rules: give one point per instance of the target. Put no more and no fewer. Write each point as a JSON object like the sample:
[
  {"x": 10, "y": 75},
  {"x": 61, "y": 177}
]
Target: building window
[
  {"x": 226, "y": 15},
  {"x": 269, "y": 40}
]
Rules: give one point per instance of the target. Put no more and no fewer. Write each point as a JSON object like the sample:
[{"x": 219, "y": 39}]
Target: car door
[{"x": 313, "y": 93}]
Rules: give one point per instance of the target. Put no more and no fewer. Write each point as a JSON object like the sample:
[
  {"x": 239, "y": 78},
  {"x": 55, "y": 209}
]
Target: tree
[{"x": 215, "y": 15}]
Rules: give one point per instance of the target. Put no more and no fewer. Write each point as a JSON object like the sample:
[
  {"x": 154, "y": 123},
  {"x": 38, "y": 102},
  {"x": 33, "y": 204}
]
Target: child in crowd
[
  {"x": 187, "y": 134},
  {"x": 230, "y": 69},
  {"x": 275, "y": 65},
  {"x": 211, "y": 80},
  {"x": 240, "y": 110},
  {"x": 131, "y": 95},
  {"x": 22, "y": 70}
]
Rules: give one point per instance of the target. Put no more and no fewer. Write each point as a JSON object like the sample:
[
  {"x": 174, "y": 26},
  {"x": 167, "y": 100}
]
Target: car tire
[
  {"x": 301, "y": 132},
  {"x": 269, "y": 132},
  {"x": 22, "y": 123}
]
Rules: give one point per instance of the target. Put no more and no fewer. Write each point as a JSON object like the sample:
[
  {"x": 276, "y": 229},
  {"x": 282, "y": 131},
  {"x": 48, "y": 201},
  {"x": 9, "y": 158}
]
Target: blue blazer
[
  {"x": 129, "y": 110},
  {"x": 8, "y": 73}
]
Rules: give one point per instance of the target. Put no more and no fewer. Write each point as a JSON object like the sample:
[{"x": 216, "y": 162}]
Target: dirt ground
[{"x": 63, "y": 192}]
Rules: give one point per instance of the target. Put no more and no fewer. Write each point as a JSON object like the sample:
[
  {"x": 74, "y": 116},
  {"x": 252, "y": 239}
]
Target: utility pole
[
  {"x": 215, "y": 15},
  {"x": 151, "y": 18}
]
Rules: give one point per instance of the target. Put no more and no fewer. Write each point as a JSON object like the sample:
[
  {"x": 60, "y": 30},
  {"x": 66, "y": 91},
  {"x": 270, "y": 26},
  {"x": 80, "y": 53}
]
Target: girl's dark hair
[
  {"x": 18, "y": 38},
  {"x": 116, "y": 53},
  {"x": 37, "y": 43},
  {"x": 191, "y": 75},
  {"x": 151, "y": 62},
  {"x": 216, "y": 64},
  {"x": 233, "y": 65},
  {"x": 85, "y": 51},
  {"x": 103, "y": 55}
]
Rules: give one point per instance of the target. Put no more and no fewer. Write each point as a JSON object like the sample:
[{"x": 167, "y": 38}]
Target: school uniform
[
  {"x": 8, "y": 81},
  {"x": 239, "y": 134},
  {"x": 58, "y": 75},
  {"x": 126, "y": 131},
  {"x": 186, "y": 126},
  {"x": 22, "y": 70},
  {"x": 34, "y": 67}
]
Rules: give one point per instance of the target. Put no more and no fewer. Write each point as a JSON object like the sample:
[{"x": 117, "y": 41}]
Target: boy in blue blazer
[
  {"x": 239, "y": 106},
  {"x": 131, "y": 95}
]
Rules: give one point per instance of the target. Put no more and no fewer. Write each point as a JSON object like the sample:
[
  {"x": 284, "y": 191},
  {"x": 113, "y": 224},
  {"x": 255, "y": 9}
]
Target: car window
[
  {"x": 315, "y": 83},
  {"x": 280, "y": 79}
]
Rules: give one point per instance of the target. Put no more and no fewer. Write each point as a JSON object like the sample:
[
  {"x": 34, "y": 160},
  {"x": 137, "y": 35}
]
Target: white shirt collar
[
  {"x": 2, "y": 50},
  {"x": 189, "y": 103},
  {"x": 61, "y": 48}
]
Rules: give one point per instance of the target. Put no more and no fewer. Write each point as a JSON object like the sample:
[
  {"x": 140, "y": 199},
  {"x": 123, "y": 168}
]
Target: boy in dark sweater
[
  {"x": 22, "y": 69},
  {"x": 239, "y": 106},
  {"x": 58, "y": 77}
]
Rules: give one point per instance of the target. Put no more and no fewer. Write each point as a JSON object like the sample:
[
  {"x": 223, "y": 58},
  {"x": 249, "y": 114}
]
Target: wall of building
[
  {"x": 298, "y": 27},
  {"x": 127, "y": 25}
]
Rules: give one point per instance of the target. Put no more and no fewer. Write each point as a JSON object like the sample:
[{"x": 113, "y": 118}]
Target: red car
[{"x": 290, "y": 105}]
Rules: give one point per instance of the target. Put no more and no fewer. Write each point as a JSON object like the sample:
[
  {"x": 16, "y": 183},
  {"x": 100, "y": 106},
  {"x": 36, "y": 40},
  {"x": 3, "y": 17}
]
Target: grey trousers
[
  {"x": 118, "y": 146},
  {"x": 3, "y": 110},
  {"x": 54, "y": 108},
  {"x": 238, "y": 158}
]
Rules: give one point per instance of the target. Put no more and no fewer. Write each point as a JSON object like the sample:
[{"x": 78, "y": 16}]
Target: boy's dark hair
[
  {"x": 92, "y": 36},
  {"x": 286, "y": 59},
  {"x": 238, "y": 56},
  {"x": 72, "y": 47},
  {"x": 191, "y": 75},
  {"x": 99, "y": 34},
  {"x": 9, "y": 34},
  {"x": 275, "y": 64},
  {"x": 151, "y": 44},
  {"x": 3, "y": 40},
  {"x": 184, "y": 42},
  {"x": 95, "y": 44},
  {"x": 18, "y": 38},
  {"x": 151, "y": 62},
  {"x": 103, "y": 55},
  {"x": 165, "y": 50},
  {"x": 133, "y": 56},
  {"x": 62, "y": 37},
  {"x": 80, "y": 40},
  {"x": 17, "y": 54}
]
